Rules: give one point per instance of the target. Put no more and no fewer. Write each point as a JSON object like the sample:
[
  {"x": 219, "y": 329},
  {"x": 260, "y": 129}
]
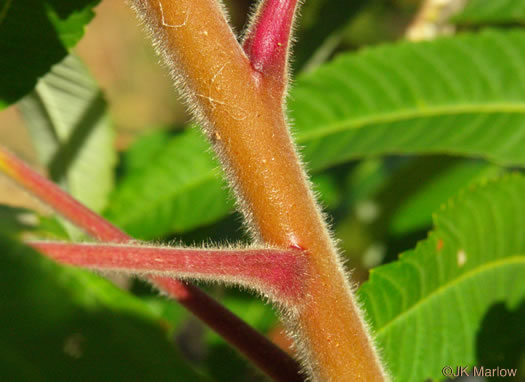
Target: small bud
[{"x": 267, "y": 40}]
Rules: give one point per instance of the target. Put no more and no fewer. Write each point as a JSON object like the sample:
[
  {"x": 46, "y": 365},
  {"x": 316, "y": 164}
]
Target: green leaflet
[
  {"x": 462, "y": 95},
  {"x": 34, "y": 35},
  {"x": 67, "y": 118},
  {"x": 492, "y": 12},
  {"x": 64, "y": 324},
  {"x": 427, "y": 307},
  {"x": 173, "y": 185}
]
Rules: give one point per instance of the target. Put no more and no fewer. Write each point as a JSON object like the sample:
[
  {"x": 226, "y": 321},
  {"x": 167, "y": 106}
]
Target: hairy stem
[
  {"x": 263, "y": 353},
  {"x": 273, "y": 272},
  {"x": 242, "y": 113}
]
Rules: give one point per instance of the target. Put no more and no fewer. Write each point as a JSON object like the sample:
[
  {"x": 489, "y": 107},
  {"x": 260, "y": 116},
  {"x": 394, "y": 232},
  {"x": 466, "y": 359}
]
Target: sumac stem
[
  {"x": 242, "y": 113},
  {"x": 277, "y": 273},
  {"x": 263, "y": 353}
]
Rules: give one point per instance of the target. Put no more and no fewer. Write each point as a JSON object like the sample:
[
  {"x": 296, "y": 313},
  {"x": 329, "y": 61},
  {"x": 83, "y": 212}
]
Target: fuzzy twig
[
  {"x": 237, "y": 97},
  {"x": 254, "y": 346},
  {"x": 271, "y": 272}
]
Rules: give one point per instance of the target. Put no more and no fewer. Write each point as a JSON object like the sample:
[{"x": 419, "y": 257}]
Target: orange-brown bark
[{"x": 243, "y": 116}]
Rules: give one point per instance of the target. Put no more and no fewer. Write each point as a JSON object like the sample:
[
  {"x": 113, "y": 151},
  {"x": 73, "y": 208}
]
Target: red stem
[
  {"x": 262, "y": 352},
  {"x": 279, "y": 273},
  {"x": 63, "y": 203}
]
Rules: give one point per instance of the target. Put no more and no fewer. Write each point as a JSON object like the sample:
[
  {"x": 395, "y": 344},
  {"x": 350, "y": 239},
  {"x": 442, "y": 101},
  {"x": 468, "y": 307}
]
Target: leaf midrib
[
  {"x": 485, "y": 267},
  {"x": 408, "y": 114}
]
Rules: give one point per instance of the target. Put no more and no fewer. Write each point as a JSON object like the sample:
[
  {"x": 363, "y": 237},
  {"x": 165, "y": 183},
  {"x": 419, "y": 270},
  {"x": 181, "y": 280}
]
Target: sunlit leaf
[
  {"x": 492, "y": 12},
  {"x": 427, "y": 307},
  {"x": 459, "y": 95},
  {"x": 68, "y": 120}
]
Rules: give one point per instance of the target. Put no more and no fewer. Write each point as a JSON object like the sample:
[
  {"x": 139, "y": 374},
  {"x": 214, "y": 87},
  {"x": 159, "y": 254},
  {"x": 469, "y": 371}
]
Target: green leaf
[
  {"x": 175, "y": 186},
  {"x": 492, "y": 12},
  {"x": 67, "y": 118},
  {"x": 462, "y": 95},
  {"x": 427, "y": 308},
  {"x": 64, "y": 324},
  {"x": 34, "y": 35}
]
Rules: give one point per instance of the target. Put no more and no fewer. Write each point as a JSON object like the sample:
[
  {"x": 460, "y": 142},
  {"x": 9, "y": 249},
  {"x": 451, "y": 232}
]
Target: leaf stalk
[
  {"x": 273, "y": 272},
  {"x": 272, "y": 360}
]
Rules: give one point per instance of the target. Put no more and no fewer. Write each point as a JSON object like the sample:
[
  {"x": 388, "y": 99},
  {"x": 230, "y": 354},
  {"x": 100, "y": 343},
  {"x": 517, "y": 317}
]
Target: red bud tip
[{"x": 268, "y": 38}]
